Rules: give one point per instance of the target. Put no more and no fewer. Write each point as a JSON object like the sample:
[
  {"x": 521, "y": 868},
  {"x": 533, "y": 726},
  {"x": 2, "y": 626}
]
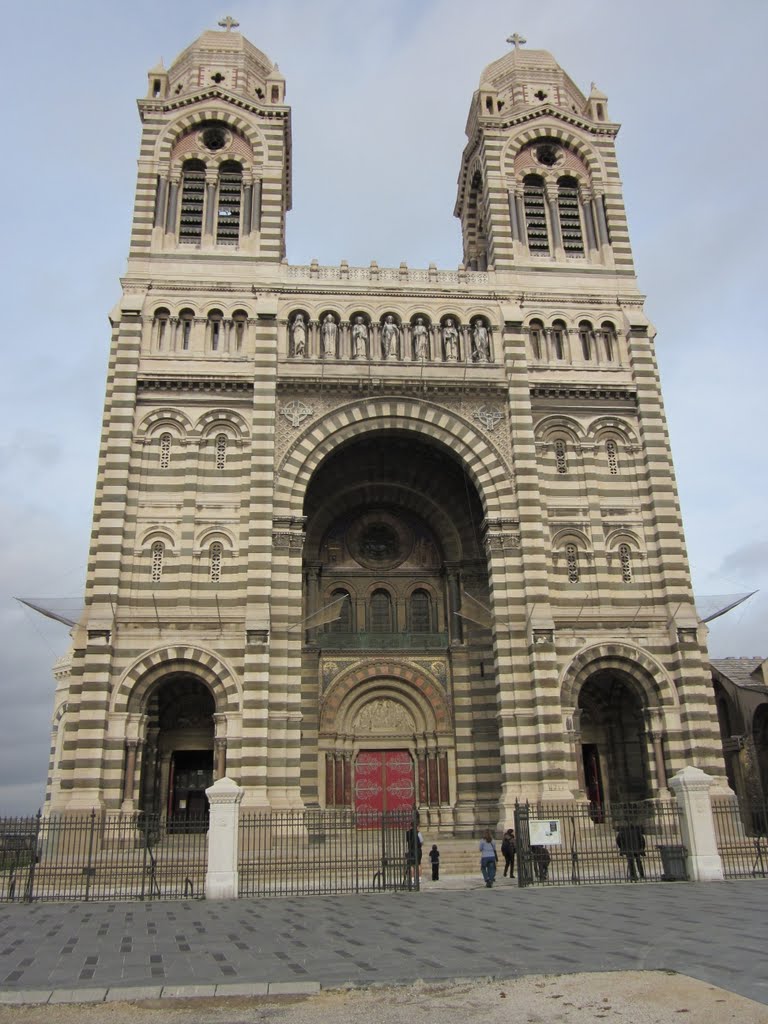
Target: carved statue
[
  {"x": 390, "y": 338},
  {"x": 299, "y": 334},
  {"x": 420, "y": 340},
  {"x": 359, "y": 339},
  {"x": 481, "y": 343},
  {"x": 329, "y": 331},
  {"x": 450, "y": 341}
]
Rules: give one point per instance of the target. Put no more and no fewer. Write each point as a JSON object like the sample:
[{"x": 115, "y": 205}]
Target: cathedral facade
[{"x": 373, "y": 537}]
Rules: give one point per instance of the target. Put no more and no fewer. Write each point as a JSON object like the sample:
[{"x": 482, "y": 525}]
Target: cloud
[{"x": 749, "y": 558}]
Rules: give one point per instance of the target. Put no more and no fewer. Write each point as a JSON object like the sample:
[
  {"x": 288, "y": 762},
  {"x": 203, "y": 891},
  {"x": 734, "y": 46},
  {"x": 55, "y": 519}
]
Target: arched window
[
  {"x": 585, "y": 337},
  {"x": 215, "y": 332},
  {"x": 344, "y": 622},
  {"x": 221, "y": 451},
  {"x": 570, "y": 220},
  {"x": 161, "y": 328},
  {"x": 609, "y": 341},
  {"x": 380, "y": 612},
  {"x": 192, "y": 201},
  {"x": 215, "y": 556},
  {"x": 561, "y": 456},
  {"x": 536, "y": 331},
  {"x": 186, "y": 318},
  {"x": 239, "y": 321},
  {"x": 229, "y": 203},
  {"x": 165, "y": 450},
  {"x": 534, "y": 205},
  {"x": 612, "y": 455},
  {"x": 558, "y": 339},
  {"x": 420, "y": 612},
  {"x": 158, "y": 556},
  {"x": 572, "y": 563},
  {"x": 625, "y": 560}
]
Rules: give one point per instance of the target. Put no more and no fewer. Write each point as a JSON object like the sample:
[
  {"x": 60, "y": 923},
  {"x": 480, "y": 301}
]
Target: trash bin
[{"x": 673, "y": 863}]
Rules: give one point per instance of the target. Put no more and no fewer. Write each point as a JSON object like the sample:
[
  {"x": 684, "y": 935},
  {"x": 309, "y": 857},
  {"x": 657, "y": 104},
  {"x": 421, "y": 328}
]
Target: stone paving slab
[{"x": 715, "y": 932}]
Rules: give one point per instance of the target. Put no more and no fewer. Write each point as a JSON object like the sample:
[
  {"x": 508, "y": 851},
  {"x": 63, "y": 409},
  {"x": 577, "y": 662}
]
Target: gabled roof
[{"x": 743, "y": 672}]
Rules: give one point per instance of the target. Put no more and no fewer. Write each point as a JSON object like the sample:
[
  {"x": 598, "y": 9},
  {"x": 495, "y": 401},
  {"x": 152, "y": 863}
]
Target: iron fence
[
  {"x": 327, "y": 851},
  {"x": 102, "y": 856},
  {"x": 742, "y": 837},
  {"x": 572, "y": 844}
]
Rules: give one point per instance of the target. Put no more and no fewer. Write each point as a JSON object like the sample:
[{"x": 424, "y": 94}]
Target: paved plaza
[{"x": 715, "y": 932}]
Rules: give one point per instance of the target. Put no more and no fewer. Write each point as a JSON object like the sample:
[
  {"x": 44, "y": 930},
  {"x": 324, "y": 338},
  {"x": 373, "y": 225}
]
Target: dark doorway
[
  {"x": 191, "y": 775},
  {"x": 593, "y": 780}
]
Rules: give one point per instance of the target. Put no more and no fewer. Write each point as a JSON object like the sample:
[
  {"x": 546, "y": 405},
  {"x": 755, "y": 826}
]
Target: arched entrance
[
  {"x": 178, "y": 753},
  {"x": 613, "y": 739},
  {"x": 394, "y": 552},
  {"x": 760, "y": 736}
]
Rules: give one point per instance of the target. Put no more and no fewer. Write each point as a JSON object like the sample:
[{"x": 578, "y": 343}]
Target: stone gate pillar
[
  {"x": 691, "y": 787},
  {"x": 221, "y": 878}
]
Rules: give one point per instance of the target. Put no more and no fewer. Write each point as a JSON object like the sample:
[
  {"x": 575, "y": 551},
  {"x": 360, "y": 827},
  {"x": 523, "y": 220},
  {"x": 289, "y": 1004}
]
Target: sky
[{"x": 380, "y": 91}]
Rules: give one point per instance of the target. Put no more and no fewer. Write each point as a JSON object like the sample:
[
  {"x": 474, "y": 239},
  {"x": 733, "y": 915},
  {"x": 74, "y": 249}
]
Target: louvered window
[
  {"x": 561, "y": 457},
  {"x": 534, "y": 204},
  {"x": 570, "y": 220},
  {"x": 625, "y": 558},
  {"x": 420, "y": 612},
  {"x": 217, "y": 551},
  {"x": 158, "y": 554},
  {"x": 381, "y": 612},
  {"x": 192, "y": 202},
  {"x": 230, "y": 199},
  {"x": 572, "y": 562},
  {"x": 344, "y": 622},
  {"x": 612, "y": 454},
  {"x": 165, "y": 451}
]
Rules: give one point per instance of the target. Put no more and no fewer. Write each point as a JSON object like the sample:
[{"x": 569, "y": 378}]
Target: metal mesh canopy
[
  {"x": 62, "y": 609},
  {"x": 712, "y": 606}
]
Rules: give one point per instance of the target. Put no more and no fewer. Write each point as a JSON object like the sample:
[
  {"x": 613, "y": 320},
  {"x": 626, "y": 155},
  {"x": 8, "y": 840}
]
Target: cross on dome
[
  {"x": 516, "y": 41},
  {"x": 229, "y": 23}
]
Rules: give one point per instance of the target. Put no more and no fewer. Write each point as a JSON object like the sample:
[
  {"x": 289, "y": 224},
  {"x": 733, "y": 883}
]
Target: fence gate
[
  {"x": 742, "y": 837},
  {"x": 294, "y": 853},
  {"x": 572, "y": 844},
  {"x": 102, "y": 856}
]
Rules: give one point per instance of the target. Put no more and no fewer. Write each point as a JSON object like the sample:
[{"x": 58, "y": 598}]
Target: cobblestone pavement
[{"x": 715, "y": 932}]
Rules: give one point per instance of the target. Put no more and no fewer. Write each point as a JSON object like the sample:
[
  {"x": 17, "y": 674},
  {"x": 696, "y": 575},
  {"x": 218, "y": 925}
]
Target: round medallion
[
  {"x": 379, "y": 540},
  {"x": 215, "y": 138}
]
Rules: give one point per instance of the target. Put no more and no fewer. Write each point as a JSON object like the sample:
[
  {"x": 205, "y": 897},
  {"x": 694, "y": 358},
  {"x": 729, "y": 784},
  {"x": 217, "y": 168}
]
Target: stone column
[
  {"x": 585, "y": 198},
  {"x": 210, "y": 207},
  {"x": 654, "y": 722},
  {"x": 602, "y": 225},
  {"x": 554, "y": 220},
  {"x": 513, "y": 216},
  {"x": 221, "y": 879},
  {"x": 691, "y": 787},
  {"x": 130, "y": 771},
  {"x": 170, "y": 210},
  {"x": 162, "y": 188},
  {"x": 256, "y": 207},
  {"x": 247, "y": 209}
]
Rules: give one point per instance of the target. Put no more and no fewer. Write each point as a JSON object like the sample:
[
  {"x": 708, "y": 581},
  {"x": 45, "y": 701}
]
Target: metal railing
[
  {"x": 579, "y": 844},
  {"x": 102, "y": 856},
  {"x": 742, "y": 837},
  {"x": 315, "y": 851}
]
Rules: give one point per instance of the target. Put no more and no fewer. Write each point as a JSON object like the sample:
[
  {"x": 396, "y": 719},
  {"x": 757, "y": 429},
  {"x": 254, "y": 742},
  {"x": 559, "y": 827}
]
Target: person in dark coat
[
  {"x": 541, "y": 859},
  {"x": 630, "y": 840},
  {"x": 508, "y": 848},
  {"x": 434, "y": 859}
]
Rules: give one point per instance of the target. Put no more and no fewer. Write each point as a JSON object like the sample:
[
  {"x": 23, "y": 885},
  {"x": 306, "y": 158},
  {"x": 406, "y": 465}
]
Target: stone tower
[{"x": 374, "y": 537}]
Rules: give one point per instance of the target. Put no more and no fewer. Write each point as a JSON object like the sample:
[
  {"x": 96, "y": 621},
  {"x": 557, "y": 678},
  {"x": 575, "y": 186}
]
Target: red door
[{"x": 383, "y": 781}]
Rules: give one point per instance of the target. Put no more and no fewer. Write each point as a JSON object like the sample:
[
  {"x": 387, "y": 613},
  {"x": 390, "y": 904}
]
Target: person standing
[
  {"x": 434, "y": 859},
  {"x": 488, "y": 858},
  {"x": 508, "y": 848},
  {"x": 630, "y": 840}
]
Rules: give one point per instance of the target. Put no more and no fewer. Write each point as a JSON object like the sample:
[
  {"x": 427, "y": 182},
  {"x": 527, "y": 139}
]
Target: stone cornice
[
  {"x": 207, "y": 384},
  {"x": 589, "y": 391},
  {"x": 391, "y": 389},
  {"x": 189, "y": 99}
]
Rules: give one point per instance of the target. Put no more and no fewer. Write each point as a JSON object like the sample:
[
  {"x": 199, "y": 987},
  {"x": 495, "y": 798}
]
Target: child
[{"x": 434, "y": 856}]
